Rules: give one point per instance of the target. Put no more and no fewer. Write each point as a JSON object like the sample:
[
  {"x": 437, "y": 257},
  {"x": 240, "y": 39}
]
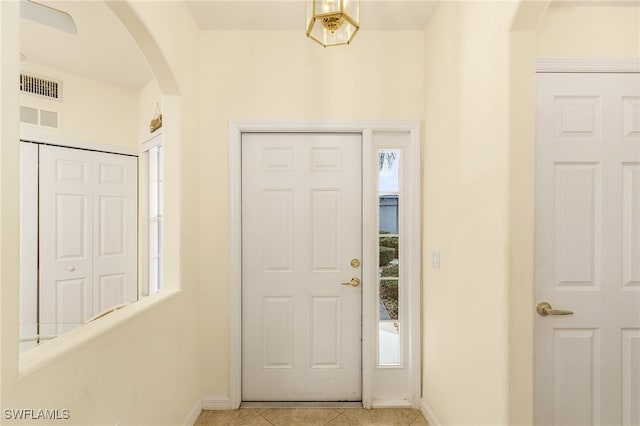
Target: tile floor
[{"x": 313, "y": 417}]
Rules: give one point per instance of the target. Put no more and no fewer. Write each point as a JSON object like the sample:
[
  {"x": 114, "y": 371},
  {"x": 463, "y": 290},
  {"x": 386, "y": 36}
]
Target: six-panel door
[
  {"x": 588, "y": 249},
  {"x": 88, "y": 235},
  {"x": 301, "y": 227}
]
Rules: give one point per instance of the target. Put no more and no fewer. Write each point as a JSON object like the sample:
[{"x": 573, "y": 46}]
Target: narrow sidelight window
[
  {"x": 155, "y": 218},
  {"x": 389, "y": 278}
]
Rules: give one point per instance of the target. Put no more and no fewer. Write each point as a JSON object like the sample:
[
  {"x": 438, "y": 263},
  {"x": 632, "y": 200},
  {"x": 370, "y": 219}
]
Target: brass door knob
[
  {"x": 355, "y": 282},
  {"x": 544, "y": 309}
]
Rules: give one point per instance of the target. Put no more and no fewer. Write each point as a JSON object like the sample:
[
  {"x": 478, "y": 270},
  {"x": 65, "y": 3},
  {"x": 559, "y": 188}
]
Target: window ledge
[{"x": 39, "y": 357}]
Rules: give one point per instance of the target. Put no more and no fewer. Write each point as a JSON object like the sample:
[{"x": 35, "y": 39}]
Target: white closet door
[
  {"x": 66, "y": 249},
  {"x": 115, "y": 231},
  {"x": 28, "y": 245},
  {"x": 88, "y": 235}
]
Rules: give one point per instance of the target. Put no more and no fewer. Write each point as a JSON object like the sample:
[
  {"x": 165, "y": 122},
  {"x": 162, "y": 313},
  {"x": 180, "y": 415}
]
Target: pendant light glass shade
[{"x": 333, "y": 22}]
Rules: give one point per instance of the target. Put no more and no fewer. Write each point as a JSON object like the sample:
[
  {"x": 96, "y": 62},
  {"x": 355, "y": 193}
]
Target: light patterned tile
[
  {"x": 342, "y": 420},
  {"x": 202, "y": 419},
  {"x": 226, "y": 417},
  {"x": 383, "y": 416},
  {"x": 420, "y": 421},
  {"x": 300, "y": 416},
  {"x": 257, "y": 421}
]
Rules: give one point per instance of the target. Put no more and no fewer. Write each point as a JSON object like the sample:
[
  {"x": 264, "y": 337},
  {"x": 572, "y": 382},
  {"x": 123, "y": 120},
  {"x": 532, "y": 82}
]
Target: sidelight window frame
[{"x": 152, "y": 215}]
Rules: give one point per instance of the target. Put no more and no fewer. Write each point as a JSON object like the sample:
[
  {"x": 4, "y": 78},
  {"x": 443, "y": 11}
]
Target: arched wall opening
[
  {"x": 171, "y": 128},
  {"x": 125, "y": 353}
]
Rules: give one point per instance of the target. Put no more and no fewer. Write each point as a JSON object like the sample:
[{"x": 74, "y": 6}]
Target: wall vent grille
[
  {"x": 40, "y": 86},
  {"x": 39, "y": 117}
]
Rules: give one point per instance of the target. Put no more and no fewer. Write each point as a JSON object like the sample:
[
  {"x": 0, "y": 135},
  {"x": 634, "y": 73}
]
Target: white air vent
[
  {"x": 40, "y": 86},
  {"x": 49, "y": 118},
  {"x": 39, "y": 117},
  {"x": 28, "y": 115}
]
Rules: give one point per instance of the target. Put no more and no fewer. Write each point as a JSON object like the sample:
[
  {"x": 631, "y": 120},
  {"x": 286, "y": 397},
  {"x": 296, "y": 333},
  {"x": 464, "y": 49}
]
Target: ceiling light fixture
[{"x": 333, "y": 22}]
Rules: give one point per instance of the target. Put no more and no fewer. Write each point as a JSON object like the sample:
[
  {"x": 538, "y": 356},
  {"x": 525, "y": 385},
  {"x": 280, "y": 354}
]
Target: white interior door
[
  {"x": 28, "y": 245},
  {"x": 115, "y": 231},
  {"x": 66, "y": 249},
  {"x": 88, "y": 235},
  {"x": 301, "y": 228},
  {"x": 588, "y": 249}
]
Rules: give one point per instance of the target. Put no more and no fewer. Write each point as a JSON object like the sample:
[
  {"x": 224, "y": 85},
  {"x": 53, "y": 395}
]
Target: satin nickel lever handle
[
  {"x": 355, "y": 282},
  {"x": 544, "y": 309}
]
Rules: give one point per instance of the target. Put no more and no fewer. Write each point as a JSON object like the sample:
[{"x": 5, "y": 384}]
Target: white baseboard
[
  {"x": 213, "y": 402},
  {"x": 428, "y": 414},
  {"x": 193, "y": 414},
  {"x": 207, "y": 403},
  {"x": 390, "y": 403}
]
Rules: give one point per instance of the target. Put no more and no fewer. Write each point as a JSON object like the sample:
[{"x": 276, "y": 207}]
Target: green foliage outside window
[{"x": 389, "y": 297}]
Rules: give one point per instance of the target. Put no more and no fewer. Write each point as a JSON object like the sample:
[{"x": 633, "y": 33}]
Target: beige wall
[
  {"x": 465, "y": 302},
  {"x": 521, "y": 232},
  {"x": 149, "y": 97},
  {"x": 588, "y": 32},
  {"x": 521, "y": 210},
  {"x": 561, "y": 32},
  {"x": 255, "y": 76},
  {"x": 466, "y": 76},
  {"x": 138, "y": 365},
  {"x": 9, "y": 197},
  {"x": 484, "y": 227},
  {"x": 92, "y": 111}
]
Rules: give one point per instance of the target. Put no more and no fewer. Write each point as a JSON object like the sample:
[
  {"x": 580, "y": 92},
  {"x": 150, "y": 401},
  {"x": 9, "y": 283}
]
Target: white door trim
[
  {"x": 587, "y": 65},
  {"x": 28, "y": 135},
  {"x": 369, "y": 327}
]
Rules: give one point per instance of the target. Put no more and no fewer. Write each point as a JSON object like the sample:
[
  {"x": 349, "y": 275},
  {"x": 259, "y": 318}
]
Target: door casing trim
[
  {"x": 587, "y": 65},
  {"x": 367, "y": 129}
]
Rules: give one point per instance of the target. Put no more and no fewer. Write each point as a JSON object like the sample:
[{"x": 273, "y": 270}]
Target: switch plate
[{"x": 435, "y": 259}]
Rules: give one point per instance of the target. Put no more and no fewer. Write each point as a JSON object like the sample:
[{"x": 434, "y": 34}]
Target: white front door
[
  {"x": 88, "y": 235},
  {"x": 301, "y": 229},
  {"x": 588, "y": 249}
]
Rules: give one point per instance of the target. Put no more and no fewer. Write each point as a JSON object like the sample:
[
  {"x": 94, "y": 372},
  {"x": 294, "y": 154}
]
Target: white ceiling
[
  {"x": 103, "y": 49},
  {"x": 291, "y": 14}
]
